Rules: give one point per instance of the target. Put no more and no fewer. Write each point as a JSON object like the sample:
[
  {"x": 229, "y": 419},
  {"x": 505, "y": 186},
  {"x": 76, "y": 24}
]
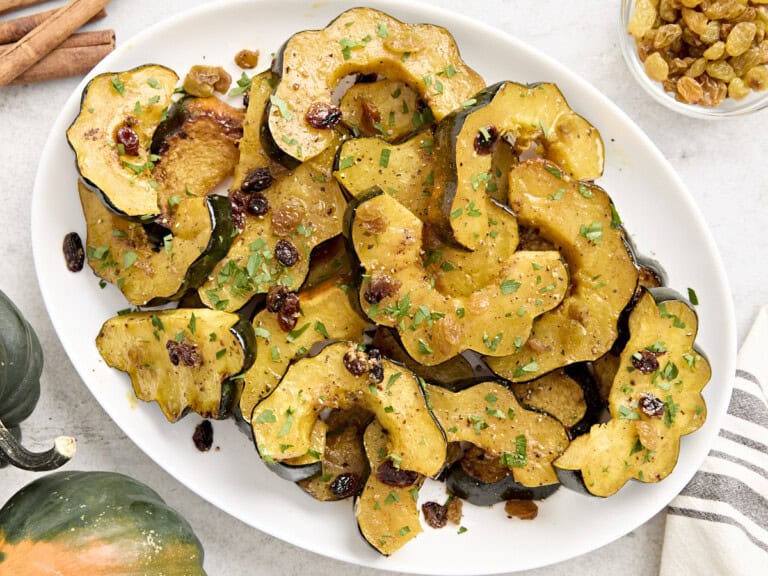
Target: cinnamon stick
[
  {"x": 47, "y": 36},
  {"x": 79, "y": 40},
  {"x": 16, "y": 29},
  {"x": 65, "y": 62},
  {"x": 8, "y": 5}
]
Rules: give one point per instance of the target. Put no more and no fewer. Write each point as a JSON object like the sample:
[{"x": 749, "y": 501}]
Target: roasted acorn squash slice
[
  {"x": 387, "y": 515},
  {"x": 184, "y": 359},
  {"x": 304, "y": 208},
  {"x": 408, "y": 176},
  {"x": 311, "y": 63},
  {"x": 483, "y": 481},
  {"x": 404, "y": 170},
  {"x": 282, "y": 422},
  {"x": 556, "y": 394},
  {"x": 326, "y": 313},
  {"x": 489, "y": 416},
  {"x": 397, "y": 291},
  {"x": 655, "y": 399},
  {"x": 344, "y": 464},
  {"x": 580, "y": 220},
  {"x": 149, "y": 268},
  {"x": 253, "y": 155},
  {"x": 465, "y": 140},
  {"x": 136, "y": 99},
  {"x": 307, "y": 465},
  {"x": 196, "y": 149},
  {"x": 451, "y": 374},
  {"x": 386, "y": 108}
]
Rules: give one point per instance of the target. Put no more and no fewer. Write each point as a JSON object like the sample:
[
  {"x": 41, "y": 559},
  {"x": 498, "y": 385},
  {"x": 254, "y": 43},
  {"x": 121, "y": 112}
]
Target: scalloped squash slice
[
  {"x": 465, "y": 142},
  {"x": 495, "y": 318},
  {"x": 184, "y": 359},
  {"x": 387, "y": 516},
  {"x": 326, "y": 313},
  {"x": 311, "y": 63},
  {"x": 654, "y": 400},
  {"x": 383, "y": 108},
  {"x": 110, "y": 103},
  {"x": 303, "y": 209},
  {"x": 342, "y": 376},
  {"x": 580, "y": 220},
  {"x": 150, "y": 267}
]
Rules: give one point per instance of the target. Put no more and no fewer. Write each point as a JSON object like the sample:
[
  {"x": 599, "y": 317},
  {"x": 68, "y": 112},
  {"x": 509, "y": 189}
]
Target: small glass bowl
[{"x": 728, "y": 108}]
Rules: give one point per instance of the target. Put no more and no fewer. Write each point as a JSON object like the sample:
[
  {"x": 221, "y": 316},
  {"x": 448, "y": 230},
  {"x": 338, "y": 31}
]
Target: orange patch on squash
[{"x": 68, "y": 557}]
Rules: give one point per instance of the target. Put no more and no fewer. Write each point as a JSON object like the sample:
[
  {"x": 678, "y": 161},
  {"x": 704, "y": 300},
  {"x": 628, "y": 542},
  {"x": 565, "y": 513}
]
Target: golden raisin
[
  {"x": 642, "y": 19},
  {"x": 203, "y": 81},
  {"x": 716, "y": 51},
  {"x": 695, "y": 20},
  {"x": 757, "y": 78},
  {"x": 743, "y": 63},
  {"x": 721, "y": 70},
  {"x": 697, "y": 68},
  {"x": 666, "y": 36},
  {"x": 740, "y": 38},
  {"x": 656, "y": 67},
  {"x": 737, "y": 89},
  {"x": 689, "y": 90},
  {"x": 247, "y": 59}
]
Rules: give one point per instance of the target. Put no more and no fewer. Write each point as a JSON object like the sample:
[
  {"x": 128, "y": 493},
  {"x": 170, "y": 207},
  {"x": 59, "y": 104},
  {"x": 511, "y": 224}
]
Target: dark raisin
[
  {"x": 129, "y": 139},
  {"x": 435, "y": 514},
  {"x": 258, "y": 205},
  {"x": 645, "y": 361},
  {"x": 275, "y": 297},
  {"x": 74, "y": 255},
  {"x": 323, "y": 115},
  {"x": 345, "y": 485},
  {"x": 246, "y": 98},
  {"x": 356, "y": 362},
  {"x": 485, "y": 140},
  {"x": 391, "y": 476},
  {"x": 286, "y": 253},
  {"x": 651, "y": 406},
  {"x": 375, "y": 367},
  {"x": 289, "y": 312},
  {"x": 183, "y": 353},
  {"x": 258, "y": 180},
  {"x": 238, "y": 202},
  {"x": 203, "y": 436},
  {"x": 381, "y": 287},
  {"x": 366, "y": 78},
  {"x": 156, "y": 234}
]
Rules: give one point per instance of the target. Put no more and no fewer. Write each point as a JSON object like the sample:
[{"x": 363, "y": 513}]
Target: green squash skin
[
  {"x": 21, "y": 363},
  {"x": 220, "y": 211},
  {"x": 81, "y": 506},
  {"x": 232, "y": 387},
  {"x": 480, "y": 493},
  {"x": 446, "y": 137}
]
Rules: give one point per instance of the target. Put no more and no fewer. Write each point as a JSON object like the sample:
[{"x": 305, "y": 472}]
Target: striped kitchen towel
[{"x": 719, "y": 522}]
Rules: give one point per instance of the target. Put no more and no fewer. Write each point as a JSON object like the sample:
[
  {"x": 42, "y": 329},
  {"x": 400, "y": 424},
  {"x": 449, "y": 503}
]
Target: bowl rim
[{"x": 755, "y": 102}]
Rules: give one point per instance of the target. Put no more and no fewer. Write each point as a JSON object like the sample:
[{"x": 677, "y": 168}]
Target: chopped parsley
[{"x": 593, "y": 232}]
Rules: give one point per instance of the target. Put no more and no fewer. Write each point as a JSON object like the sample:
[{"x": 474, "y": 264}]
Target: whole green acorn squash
[
  {"x": 94, "y": 524},
  {"x": 21, "y": 363}
]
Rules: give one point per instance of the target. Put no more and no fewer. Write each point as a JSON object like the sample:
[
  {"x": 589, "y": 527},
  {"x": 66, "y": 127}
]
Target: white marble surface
[{"x": 723, "y": 164}]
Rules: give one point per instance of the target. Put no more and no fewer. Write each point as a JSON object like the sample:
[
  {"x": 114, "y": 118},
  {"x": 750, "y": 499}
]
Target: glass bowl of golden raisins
[{"x": 702, "y": 58}]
